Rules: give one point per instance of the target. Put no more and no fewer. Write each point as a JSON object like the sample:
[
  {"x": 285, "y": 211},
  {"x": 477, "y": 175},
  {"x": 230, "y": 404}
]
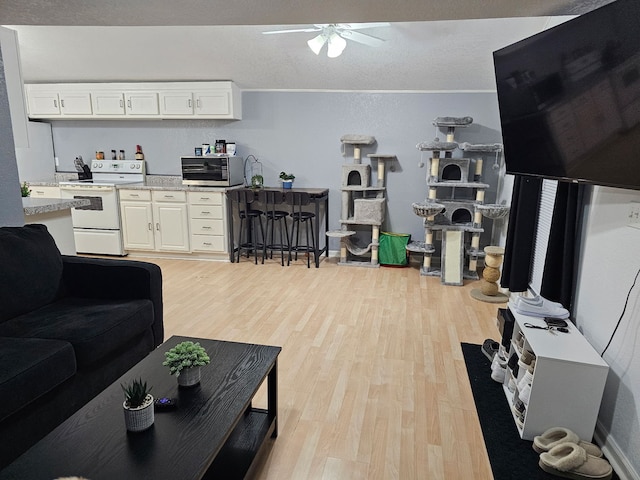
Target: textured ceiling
[{"x": 431, "y": 45}]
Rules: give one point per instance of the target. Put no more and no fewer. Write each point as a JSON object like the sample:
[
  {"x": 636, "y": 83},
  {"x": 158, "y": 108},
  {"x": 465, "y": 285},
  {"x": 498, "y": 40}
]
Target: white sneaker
[
  {"x": 525, "y": 380},
  {"x": 525, "y": 393},
  {"x": 498, "y": 368}
]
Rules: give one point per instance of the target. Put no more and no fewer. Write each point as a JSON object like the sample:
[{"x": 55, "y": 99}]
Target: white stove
[{"x": 97, "y": 227}]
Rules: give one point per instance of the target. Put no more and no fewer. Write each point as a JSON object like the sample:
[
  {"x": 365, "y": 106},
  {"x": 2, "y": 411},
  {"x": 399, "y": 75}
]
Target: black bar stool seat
[
  {"x": 250, "y": 222},
  {"x": 298, "y": 200},
  {"x": 275, "y": 218}
]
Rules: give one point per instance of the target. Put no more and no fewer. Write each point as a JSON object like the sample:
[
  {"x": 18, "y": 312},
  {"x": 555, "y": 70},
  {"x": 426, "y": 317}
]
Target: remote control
[{"x": 165, "y": 403}]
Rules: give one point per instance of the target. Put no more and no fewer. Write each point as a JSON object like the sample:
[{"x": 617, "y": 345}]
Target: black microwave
[{"x": 218, "y": 170}]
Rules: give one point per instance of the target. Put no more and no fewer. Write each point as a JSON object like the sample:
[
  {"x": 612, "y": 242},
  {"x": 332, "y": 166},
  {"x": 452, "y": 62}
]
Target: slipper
[
  {"x": 557, "y": 435},
  {"x": 572, "y": 461}
]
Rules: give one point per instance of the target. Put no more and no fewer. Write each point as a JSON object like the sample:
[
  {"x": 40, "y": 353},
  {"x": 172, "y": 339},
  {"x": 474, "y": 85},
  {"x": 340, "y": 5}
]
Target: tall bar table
[{"x": 319, "y": 197}]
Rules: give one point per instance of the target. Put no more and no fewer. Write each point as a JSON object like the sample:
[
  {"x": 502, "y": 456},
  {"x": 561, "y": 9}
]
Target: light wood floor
[{"x": 372, "y": 382}]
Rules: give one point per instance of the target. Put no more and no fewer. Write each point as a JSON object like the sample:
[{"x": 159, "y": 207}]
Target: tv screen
[{"x": 569, "y": 99}]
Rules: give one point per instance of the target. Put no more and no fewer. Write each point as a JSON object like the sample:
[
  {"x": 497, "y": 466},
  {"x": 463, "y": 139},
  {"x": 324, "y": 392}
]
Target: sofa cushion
[
  {"x": 31, "y": 269},
  {"x": 31, "y": 367},
  {"x": 95, "y": 328}
]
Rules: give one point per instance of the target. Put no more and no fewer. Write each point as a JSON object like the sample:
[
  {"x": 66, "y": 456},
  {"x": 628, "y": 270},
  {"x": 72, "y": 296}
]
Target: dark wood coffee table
[{"x": 214, "y": 433}]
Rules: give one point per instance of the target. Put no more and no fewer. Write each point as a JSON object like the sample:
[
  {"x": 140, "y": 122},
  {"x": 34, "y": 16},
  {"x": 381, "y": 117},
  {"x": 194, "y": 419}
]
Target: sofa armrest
[{"x": 106, "y": 278}]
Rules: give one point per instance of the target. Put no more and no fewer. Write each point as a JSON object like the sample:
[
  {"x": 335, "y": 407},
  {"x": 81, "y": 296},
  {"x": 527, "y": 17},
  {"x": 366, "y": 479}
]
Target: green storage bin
[{"x": 393, "y": 248}]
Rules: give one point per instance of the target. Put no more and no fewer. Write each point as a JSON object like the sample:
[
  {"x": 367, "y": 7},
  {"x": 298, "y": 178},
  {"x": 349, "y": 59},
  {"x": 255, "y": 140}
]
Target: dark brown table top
[{"x": 181, "y": 444}]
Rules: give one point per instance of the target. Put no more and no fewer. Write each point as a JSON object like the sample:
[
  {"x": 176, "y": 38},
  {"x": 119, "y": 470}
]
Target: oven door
[{"x": 103, "y": 210}]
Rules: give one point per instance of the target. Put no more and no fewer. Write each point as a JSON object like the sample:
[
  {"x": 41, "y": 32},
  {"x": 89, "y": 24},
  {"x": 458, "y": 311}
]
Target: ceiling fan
[{"x": 335, "y": 35}]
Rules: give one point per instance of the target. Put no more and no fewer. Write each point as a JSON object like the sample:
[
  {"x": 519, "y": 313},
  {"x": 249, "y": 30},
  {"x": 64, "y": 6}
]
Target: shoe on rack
[
  {"x": 524, "y": 393},
  {"x": 535, "y": 301},
  {"x": 525, "y": 380},
  {"x": 527, "y": 356},
  {"x": 490, "y": 348},
  {"x": 498, "y": 369},
  {"x": 511, "y": 385},
  {"x": 513, "y": 364},
  {"x": 545, "y": 310}
]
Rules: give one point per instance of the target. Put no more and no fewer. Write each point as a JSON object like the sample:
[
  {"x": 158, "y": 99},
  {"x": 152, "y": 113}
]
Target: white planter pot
[
  {"x": 189, "y": 377},
  {"x": 139, "y": 418}
]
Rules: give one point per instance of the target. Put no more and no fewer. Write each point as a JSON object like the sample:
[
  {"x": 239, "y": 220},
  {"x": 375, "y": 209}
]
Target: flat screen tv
[{"x": 569, "y": 99}]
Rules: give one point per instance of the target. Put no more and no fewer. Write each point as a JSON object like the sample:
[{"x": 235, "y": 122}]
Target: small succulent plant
[
  {"x": 25, "y": 191},
  {"x": 135, "y": 393},
  {"x": 185, "y": 355},
  {"x": 287, "y": 176}
]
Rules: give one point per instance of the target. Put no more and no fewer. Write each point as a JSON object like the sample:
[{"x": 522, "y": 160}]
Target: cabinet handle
[
  {"x": 208, "y": 244},
  {"x": 55, "y": 103},
  {"x": 205, "y": 227},
  {"x": 189, "y": 103},
  {"x": 157, "y": 226},
  {"x": 206, "y": 213},
  {"x": 150, "y": 226},
  {"x": 62, "y": 103},
  {"x": 121, "y": 103},
  {"x": 205, "y": 198},
  {"x": 135, "y": 195},
  {"x": 169, "y": 196},
  {"x": 129, "y": 103},
  {"x": 198, "y": 103}
]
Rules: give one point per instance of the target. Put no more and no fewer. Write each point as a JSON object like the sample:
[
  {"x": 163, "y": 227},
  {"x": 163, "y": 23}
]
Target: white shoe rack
[{"x": 568, "y": 380}]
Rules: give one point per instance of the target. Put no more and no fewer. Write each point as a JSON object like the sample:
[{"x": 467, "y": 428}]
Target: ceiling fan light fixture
[
  {"x": 336, "y": 45},
  {"x": 316, "y": 43}
]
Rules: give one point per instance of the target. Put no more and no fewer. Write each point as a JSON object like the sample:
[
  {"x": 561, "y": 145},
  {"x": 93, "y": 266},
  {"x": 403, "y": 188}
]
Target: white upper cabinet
[
  {"x": 180, "y": 100},
  {"x": 47, "y": 103}
]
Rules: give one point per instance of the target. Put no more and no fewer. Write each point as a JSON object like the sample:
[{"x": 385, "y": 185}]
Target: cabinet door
[
  {"x": 75, "y": 103},
  {"x": 213, "y": 103},
  {"x": 137, "y": 225},
  {"x": 43, "y": 103},
  {"x": 108, "y": 103},
  {"x": 141, "y": 103},
  {"x": 176, "y": 103},
  {"x": 171, "y": 226}
]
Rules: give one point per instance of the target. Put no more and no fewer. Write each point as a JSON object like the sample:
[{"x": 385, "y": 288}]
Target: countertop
[
  {"x": 153, "y": 182},
  {"x": 35, "y": 206}
]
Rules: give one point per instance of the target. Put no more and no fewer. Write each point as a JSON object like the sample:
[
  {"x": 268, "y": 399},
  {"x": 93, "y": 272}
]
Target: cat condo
[{"x": 456, "y": 219}]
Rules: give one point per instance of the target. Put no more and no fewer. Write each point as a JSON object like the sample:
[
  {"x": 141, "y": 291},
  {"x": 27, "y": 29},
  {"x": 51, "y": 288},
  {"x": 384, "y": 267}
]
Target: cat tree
[
  {"x": 363, "y": 204},
  {"x": 459, "y": 220}
]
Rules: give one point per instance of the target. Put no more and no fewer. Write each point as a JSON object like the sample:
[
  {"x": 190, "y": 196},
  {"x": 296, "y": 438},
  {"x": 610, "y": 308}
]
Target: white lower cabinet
[
  {"x": 568, "y": 379},
  {"x": 207, "y": 221},
  {"x": 154, "y": 220}
]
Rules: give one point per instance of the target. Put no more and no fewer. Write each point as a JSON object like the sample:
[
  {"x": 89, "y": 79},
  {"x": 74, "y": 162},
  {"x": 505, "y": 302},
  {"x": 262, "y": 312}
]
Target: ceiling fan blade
[
  {"x": 361, "y": 38},
  {"x": 294, "y": 30},
  {"x": 359, "y": 26}
]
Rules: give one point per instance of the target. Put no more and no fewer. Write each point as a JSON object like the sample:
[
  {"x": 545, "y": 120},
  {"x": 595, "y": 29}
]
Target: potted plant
[
  {"x": 25, "y": 190},
  {"x": 138, "y": 405},
  {"x": 257, "y": 181},
  {"x": 184, "y": 361},
  {"x": 287, "y": 179}
]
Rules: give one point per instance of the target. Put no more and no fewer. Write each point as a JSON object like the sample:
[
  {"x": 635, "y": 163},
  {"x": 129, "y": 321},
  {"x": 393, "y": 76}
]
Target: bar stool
[
  {"x": 249, "y": 217},
  {"x": 297, "y": 200},
  {"x": 271, "y": 199}
]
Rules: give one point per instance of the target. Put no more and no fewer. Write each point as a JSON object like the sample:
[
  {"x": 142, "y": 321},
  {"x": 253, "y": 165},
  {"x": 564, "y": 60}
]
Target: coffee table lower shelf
[{"x": 235, "y": 459}]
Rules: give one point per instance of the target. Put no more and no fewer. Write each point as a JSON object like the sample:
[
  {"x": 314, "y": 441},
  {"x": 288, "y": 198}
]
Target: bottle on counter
[
  {"x": 99, "y": 155},
  {"x": 220, "y": 146},
  {"x": 121, "y": 155},
  {"x": 139, "y": 154},
  {"x": 113, "y": 155}
]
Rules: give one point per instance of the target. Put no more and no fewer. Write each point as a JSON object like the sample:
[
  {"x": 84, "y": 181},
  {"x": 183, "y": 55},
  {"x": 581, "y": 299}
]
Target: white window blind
[{"x": 545, "y": 214}]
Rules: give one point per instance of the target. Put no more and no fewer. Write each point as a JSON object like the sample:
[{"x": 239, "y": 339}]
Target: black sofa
[{"x": 69, "y": 327}]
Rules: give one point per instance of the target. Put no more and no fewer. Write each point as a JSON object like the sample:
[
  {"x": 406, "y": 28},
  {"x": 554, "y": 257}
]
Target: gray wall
[
  {"x": 300, "y": 132},
  {"x": 11, "y": 212}
]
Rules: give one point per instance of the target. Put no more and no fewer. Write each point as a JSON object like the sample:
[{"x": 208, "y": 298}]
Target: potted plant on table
[
  {"x": 287, "y": 179},
  {"x": 184, "y": 361},
  {"x": 138, "y": 406}
]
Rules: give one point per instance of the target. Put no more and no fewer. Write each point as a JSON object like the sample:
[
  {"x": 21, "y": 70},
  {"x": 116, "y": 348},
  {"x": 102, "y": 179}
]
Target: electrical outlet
[{"x": 633, "y": 220}]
